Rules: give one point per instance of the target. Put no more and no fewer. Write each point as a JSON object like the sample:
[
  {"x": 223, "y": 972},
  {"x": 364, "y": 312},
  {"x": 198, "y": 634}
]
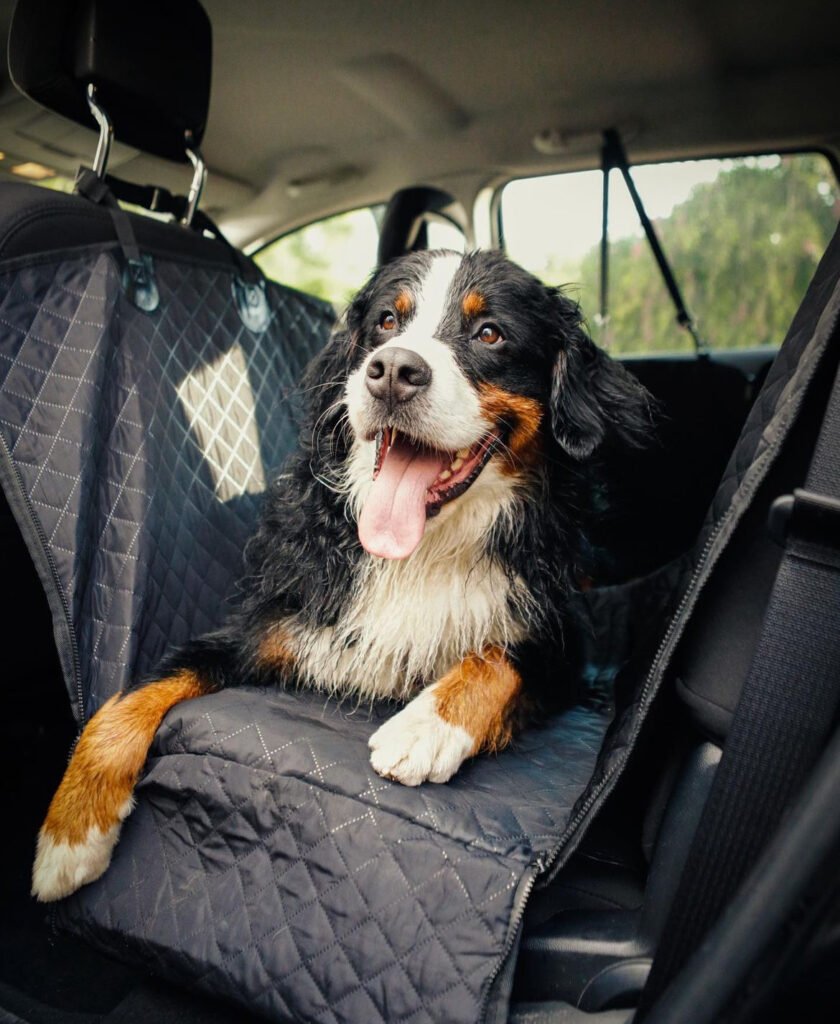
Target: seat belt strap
[
  {"x": 787, "y": 710},
  {"x": 613, "y": 155}
]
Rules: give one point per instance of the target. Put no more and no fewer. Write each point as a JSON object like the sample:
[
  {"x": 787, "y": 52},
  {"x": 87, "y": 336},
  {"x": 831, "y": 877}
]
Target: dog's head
[{"x": 463, "y": 371}]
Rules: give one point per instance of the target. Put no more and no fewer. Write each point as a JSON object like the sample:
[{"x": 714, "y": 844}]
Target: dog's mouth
[{"x": 411, "y": 483}]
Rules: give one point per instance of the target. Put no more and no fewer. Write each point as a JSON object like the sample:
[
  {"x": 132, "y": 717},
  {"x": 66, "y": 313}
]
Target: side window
[
  {"x": 442, "y": 233},
  {"x": 330, "y": 258},
  {"x": 743, "y": 237}
]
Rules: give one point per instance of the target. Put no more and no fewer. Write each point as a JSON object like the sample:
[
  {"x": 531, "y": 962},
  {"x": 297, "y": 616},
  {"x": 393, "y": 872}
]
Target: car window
[
  {"x": 743, "y": 236},
  {"x": 442, "y": 233},
  {"x": 330, "y": 258}
]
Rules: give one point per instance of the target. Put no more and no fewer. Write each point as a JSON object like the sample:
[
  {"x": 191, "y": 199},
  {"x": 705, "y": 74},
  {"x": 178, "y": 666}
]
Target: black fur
[{"x": 592, "y": 396}]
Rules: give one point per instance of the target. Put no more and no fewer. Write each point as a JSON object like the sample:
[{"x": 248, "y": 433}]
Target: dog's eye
[
  {"x": 387, "y": 322},
  {"x": 490, "y": 334}
]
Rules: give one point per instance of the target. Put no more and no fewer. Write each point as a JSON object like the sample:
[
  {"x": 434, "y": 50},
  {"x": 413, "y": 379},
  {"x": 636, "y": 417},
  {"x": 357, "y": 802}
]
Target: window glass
[
  {"x": 743, "y": 237},
  {"x": 330, "y": 258},
  {"x": 442, "y": 233}
]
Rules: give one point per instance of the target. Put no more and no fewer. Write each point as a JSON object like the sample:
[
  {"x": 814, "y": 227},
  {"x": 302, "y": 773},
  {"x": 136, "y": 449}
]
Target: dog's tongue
[{"x": 394, "y": 516}]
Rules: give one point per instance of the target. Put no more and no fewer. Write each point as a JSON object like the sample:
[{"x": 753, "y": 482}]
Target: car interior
[{"x": 225, "y": 151}]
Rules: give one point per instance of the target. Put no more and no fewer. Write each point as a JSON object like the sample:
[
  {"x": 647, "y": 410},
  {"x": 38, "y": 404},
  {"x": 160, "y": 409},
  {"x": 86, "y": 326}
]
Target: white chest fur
[{"x": 410, "y": 621}]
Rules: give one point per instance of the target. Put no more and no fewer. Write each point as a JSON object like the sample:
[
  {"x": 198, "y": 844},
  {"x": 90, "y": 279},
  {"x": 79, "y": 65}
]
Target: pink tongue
[{"x": 394, "y": 516}]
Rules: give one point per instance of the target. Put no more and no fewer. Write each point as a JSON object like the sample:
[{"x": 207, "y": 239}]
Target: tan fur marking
[
  {"x": 473, "y": 304},
  {"x": 480, "y": 695},
  {"x": 521, "y": 415},
  {"x": 404, "y": 303},
  {"x": 275, "y": 654},
  {"x": 110, "y": 756}
]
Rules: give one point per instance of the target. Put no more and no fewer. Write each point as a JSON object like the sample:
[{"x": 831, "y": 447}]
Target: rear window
[{"x": 743, "y": 237}]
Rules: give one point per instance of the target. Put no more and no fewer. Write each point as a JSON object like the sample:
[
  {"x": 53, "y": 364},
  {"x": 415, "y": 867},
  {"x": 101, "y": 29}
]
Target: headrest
[
  {"x": 150, "y": 63},
  {"x": 403, "y": 225}
]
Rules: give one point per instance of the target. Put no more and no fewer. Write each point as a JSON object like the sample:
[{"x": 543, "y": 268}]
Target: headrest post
[
  {"x": 198, "y": 180},
  {"x": 106, "y": 133}
]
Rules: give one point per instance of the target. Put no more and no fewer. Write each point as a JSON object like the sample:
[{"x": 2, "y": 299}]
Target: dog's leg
[
  {"x": 96, "y": 794},
  {"x": 472, "y": 708}
]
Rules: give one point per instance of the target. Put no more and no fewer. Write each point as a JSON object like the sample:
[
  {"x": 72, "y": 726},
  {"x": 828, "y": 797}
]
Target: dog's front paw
[
  {"x": 417, "y": 745},
  {"x": 62, "y": 866}
]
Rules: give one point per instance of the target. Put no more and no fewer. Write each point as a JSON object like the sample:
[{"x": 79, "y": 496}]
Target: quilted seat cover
[
  {"x": 136, "y": 448},
  {"x": 268, "y": 862},
  {"x": 265, "y": 861}
]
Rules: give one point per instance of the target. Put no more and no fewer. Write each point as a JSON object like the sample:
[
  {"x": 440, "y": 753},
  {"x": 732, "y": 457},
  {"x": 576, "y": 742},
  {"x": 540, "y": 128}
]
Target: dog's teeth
[
  {"x": 462, "y": 454},
  {"x": 445, "y": 475},
  {"x": 456, "y": 465},
  {"x": 393, "y": 436}
]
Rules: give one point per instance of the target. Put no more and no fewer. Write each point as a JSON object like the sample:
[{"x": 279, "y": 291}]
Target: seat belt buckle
[{"x": 805, "y": 516}]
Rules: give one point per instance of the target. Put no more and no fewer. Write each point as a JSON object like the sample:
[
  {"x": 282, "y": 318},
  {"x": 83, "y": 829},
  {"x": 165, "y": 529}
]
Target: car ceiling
[{"x": 324, "y": 106}]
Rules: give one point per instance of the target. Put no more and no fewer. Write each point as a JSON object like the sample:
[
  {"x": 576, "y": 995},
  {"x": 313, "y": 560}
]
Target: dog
[{"x": 421, "y": 546}]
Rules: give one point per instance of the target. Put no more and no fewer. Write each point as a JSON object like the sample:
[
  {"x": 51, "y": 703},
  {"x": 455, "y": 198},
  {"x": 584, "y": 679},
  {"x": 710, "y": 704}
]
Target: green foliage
[
  {"x": 330, "y": 258},
  {"x": 743, "y": 249},
  {"x": 58, "y": 183}
]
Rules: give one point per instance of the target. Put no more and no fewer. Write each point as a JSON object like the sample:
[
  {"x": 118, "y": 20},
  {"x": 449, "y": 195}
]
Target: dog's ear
[{"x": 592, "y": 395}]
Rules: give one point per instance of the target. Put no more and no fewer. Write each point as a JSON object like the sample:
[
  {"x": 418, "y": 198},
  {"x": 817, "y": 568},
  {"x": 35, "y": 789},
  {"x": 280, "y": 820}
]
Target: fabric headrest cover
[{"x": 150, "y": 63}]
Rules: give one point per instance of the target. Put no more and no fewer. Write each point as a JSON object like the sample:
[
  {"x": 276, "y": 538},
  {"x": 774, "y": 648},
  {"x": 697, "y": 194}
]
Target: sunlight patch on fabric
[{"x": 221, "y": 411}]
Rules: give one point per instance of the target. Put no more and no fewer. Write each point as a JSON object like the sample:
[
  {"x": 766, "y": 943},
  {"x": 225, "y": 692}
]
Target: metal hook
[
  {"x": 198, "y": 180},
  {"x": 106, "y": 133}
]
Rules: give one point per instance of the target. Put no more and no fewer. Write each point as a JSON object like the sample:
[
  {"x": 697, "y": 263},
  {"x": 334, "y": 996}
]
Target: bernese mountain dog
[{"x": 420, "y": 546}]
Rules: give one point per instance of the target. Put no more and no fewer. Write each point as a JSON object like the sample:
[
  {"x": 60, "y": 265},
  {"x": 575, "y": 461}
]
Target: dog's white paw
[
  {"x": 417, "y": 745},
  {"x": 62, "y": 867}
]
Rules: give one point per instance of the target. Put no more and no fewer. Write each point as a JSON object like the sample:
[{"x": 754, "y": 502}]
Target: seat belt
[
  {"x": 614, "y": 156},
  {"x": 607, "y": 163},
  {"x": 786, "y": 712}
]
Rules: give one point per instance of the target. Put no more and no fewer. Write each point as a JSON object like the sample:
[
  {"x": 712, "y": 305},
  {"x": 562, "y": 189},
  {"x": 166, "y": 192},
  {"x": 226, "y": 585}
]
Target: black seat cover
[
  {"x": 657, "y": 501},
  {"x": 137, "y": 444}
]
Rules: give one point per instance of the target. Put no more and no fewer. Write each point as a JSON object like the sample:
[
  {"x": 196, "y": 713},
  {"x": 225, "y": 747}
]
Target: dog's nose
[{"x": 396, "y": 375}]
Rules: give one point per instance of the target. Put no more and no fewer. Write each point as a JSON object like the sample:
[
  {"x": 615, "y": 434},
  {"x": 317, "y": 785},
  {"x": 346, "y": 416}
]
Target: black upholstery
[
  {"x": 657, "y": 500},
  {"x": 43, "y": 221},
  {"x": 717, "y": 649},
  {"x": 150, "y": 65}
]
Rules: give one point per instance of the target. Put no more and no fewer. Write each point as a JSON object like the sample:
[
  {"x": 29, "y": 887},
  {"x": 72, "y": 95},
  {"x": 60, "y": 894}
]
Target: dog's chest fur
[{"x": 408, "y": 622}]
